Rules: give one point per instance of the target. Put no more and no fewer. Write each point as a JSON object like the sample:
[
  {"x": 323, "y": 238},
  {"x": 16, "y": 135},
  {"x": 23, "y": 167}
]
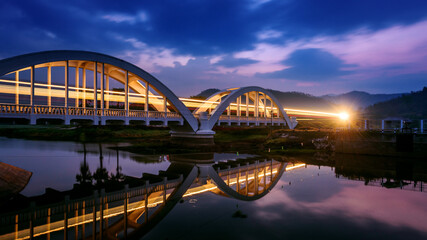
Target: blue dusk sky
[{"x": 312, "y": 46}]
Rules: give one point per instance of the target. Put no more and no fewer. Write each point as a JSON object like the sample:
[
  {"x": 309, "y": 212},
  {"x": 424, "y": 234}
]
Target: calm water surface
[{"x": 343, "y": 199}]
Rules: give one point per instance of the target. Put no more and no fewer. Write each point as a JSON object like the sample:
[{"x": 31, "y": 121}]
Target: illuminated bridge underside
[{"x": 81, "y": 94}]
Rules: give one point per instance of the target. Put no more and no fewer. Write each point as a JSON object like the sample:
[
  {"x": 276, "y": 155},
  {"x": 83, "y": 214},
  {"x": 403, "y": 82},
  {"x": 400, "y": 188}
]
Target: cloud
[
  {"x": 254, "y": 4},
  {"x": 230, "y": 62},
  {"x": 269, "y": 34},
  {"x": 309, "y": 18},
  {"x": 199, "y": 74},
  {"x": 149, "y": 58},
  {"x": 126, "y": 18},
  {"x": 242, "y": 39},
  {"x": 391, "y": 46},
  {"x": 362, "y": 56},
  {"x": 310, "y": 65},
  {"x": 50, "y": 34}
]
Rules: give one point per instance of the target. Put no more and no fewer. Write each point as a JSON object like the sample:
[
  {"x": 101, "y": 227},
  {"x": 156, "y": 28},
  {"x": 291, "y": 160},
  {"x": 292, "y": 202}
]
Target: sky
[{"x": 311, "y": 46}]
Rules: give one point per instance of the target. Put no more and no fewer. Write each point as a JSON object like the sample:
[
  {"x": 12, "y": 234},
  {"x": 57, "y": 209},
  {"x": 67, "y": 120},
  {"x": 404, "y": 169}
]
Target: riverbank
[
  {"x": 157, "y": 140},
  {"x": 83, "y": 133},
  {"x": 253, "y": 140},
  {"x": 402, "y": 145}
]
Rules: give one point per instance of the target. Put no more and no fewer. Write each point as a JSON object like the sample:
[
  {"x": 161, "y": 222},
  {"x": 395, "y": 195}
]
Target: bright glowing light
[{"x": 344, "y": 116}]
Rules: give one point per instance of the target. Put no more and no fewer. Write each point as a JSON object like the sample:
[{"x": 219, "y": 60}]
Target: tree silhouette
[{"x": 85, "y": 176}]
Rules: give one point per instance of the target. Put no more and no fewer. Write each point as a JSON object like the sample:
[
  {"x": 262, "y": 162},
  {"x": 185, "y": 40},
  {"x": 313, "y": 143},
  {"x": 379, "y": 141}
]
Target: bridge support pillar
[
  {"x": 33, "y": 120},
  {"x": 95, "y": 121},
  {"x": 103, "y": 121},
  {"x": 382, "y": 125},
  {"x": 126, "y": 121},
  {"x": 67, "y": 120},
  {"x": 204, "y": 131},
  {"x": 422, "y": 126},
  {"x": 294, "y": 122}
]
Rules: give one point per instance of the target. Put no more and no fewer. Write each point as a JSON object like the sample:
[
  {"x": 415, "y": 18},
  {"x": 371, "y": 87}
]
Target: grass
[
  {"x": 233, "y": 134},
  {"x": 155, "y": 140},
  {"x": 83, "y": 133}
]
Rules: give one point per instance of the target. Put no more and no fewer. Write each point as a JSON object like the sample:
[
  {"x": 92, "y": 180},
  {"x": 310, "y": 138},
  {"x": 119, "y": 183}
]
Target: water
[{"x": 339, "y": 197}]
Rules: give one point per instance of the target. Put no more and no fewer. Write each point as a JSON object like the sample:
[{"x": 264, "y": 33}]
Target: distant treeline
[{"x": 412, "y": 106}]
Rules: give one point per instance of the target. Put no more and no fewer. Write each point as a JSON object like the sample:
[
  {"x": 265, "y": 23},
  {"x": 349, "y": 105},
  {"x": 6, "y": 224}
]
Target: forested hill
[
  {"x": 413, "y": 106},
  {"x": 300, "y": 100},
  {"x": 206, "y": 93},
  {"x": 360, "y": 100}
]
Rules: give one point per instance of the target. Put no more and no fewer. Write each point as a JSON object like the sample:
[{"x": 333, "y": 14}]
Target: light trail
[
  {"x": 44, "y": 90},
  {"x": 311, "y": 113}
]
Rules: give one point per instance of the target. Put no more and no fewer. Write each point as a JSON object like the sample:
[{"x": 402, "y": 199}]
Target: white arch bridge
[{"x": 80, "y": 85}]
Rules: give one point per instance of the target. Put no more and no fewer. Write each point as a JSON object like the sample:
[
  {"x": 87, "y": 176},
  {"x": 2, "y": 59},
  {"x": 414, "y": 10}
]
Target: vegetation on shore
[
  {"x": 84, "y": 133},
  {"x": 157, "y": 140}
]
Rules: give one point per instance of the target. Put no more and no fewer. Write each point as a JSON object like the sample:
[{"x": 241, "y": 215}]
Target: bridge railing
[
  {"x": 138, "y": 113},
  {"x": 15, "y": 109},
  {"x": 114, "y": 112},
  {"x": 244, "y": 118},
  {"x": 156, "y": 114},
  {"x": 77, "y": 111},
  {"x": 49, "y": 110},
  {"x": 80, "y": 111},
  {"x": 173, "y": 115}
]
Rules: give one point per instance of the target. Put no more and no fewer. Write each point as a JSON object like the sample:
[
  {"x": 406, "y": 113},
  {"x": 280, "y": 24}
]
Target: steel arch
[
  {"x": 237, "y": 93},
  {"x": 22, "y": 61}
]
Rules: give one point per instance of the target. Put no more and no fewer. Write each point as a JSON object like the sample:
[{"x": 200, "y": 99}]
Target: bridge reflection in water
[{"x": 133, "y": 212}]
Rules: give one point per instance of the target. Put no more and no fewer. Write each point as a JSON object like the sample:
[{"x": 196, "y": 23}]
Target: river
[{"x": 294, "y": 197}]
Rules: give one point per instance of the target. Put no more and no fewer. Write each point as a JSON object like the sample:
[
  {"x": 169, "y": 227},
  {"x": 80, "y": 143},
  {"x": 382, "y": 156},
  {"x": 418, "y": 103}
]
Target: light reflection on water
[{"x": 316, "y": 202}]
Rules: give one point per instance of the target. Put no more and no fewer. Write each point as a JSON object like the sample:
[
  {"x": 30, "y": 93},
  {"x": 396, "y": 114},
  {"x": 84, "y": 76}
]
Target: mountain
[
  {"x": 206, "y": 93},
  {"x": 300, "y": 100},
  {"x": 411, "y": 106},
  {"x": 358, "y": 100}
]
